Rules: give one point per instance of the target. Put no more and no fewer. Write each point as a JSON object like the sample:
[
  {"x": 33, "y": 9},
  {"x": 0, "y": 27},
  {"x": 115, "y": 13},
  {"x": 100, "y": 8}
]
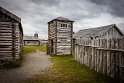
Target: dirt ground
[{"x": 34, "y": 64}]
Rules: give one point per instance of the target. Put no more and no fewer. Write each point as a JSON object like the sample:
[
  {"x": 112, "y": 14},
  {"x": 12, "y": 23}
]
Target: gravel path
[{"x": 34, "y": 64}]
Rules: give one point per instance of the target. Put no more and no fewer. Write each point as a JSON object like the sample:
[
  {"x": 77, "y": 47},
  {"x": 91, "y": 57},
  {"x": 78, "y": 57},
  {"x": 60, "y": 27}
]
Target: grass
[
  {"x": 66, "y": 70},
  {"x": 26, "y": 50},
  {"x": 14, "y": 64},
  {"x": 41, "y": 48},
  {"x": 30, "y": 49}
]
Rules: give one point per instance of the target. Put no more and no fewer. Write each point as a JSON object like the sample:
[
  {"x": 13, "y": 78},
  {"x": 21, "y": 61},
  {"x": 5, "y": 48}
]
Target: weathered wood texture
[
  {"x": 11, "y": 36},
  {"x": 64, "y": 40},
  {"x": 10, "y": 41},
  {"x": 52, "y": 37},
  {"x": 8, "y": 15},
  {"x": 60, "y": 36},
  {"x": 103, "y": 55}
]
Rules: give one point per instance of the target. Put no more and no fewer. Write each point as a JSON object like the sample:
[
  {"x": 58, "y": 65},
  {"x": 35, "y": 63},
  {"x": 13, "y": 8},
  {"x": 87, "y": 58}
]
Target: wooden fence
[{"x": 103, "y": 55}]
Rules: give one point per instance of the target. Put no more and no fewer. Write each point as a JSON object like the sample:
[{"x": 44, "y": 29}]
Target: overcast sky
[{"x": 86, "y": 13}]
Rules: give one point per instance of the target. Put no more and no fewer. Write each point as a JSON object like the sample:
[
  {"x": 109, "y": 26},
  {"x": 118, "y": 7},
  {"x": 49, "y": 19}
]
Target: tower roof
[{"x": 61, "y": 19}]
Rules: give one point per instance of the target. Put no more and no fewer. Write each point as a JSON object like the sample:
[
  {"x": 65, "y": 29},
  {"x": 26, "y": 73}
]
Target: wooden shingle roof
[
  {"x": 9, "y": 14},
  {"x": 12, "y": 16},
  {"x": 95, "y": 31},
  {"x": 61, "y": 19}
]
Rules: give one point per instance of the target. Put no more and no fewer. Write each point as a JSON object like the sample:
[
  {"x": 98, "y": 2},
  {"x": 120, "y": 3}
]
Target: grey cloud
[
  {"x": 36, "y": 13},
  {"x": 17, "y": 7},
  {"x": 46, "y": 2},
  {"x": 121, "y": 26},
  {"x": 102, "y": 2},
  {"x": 115, "y": 7}
]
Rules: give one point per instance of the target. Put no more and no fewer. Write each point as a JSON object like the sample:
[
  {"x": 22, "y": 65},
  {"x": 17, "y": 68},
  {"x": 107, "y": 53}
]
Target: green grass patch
[
  {"x": 26, "y": 50},
  {"x": 41, "y": 48},
  {"x": 66, "y": 70},
  {"x": 30, "y": 49},
  {"x": 13, "y": 64}
]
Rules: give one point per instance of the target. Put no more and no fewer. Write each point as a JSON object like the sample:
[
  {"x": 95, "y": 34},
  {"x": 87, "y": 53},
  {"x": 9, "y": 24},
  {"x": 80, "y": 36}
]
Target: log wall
[
  {"x": 11, "y": 36},
  {"x": 52, "y": 37},
  {"x": 60, "y": 37},
  {"x": 10, "y": 41},
  {"x": 64, "y": 38},
  {"x": 103, "y": 55},
  {"x": 6, "y": 40}
]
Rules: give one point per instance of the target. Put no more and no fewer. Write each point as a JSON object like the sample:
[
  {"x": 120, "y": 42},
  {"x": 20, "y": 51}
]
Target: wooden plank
[
  {"x": 5, "y": 34},
  {"x": 5, "y": 28},
  {"x": 5, "y": 51},
  {"x": 1, "y": 44},
  {"x": 5, "y": 41},
  {"x": 5, "y": 23},
  {"x": 106, "y": 55},
  {"x": 5, "y": 31},
  {"x": 5, "y": 54},
  {"x": 9, "y": 39}
]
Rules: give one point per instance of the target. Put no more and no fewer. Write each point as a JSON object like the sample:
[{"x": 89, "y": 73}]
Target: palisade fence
[{"x": 103, "y": 55}]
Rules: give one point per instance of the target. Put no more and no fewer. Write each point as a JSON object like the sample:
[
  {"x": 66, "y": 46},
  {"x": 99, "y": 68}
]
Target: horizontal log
[
  {"x": 10, "y": 39},
  {"x": 5, "y": 34},
  {"x": 8, "y": 52},
  {"x": 5, "y": 49},
  {"x": 5, "y": 43},
  {"x": 5, "y": 28},
  {"x": 5, "y": 23},
  {"x": 1, "y": 51},
  {"x": 5, "y": 54},
  {"x": 5, "y": 31},
  {"x": 3, "y": 46}
]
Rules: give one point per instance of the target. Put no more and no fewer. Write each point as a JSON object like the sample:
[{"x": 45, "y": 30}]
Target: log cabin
[
  {"x": 101, "y": 49},
  {"x": 11, "y": 36},
  {"x": 108, "y": 32},
  {"x": 60, "y": 32},
  {"x": 31, "y": 40}
]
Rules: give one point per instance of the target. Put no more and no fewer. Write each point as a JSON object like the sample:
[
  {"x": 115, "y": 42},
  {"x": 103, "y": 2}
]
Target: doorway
[{"x": 51, "y": 46}]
